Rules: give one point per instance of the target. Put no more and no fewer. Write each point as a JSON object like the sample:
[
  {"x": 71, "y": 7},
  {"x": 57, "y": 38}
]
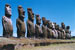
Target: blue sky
[{"x": 54, "y": 10}]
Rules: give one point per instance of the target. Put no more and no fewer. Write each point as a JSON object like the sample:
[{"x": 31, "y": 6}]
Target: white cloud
[{"x": 73, "y": 33}]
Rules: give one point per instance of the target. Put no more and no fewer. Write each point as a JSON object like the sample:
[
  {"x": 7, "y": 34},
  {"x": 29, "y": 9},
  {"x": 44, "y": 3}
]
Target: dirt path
[{"x": 54, "y": 47}]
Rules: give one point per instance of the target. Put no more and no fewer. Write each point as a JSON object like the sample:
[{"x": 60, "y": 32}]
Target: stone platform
[{"x": 13, "y": 43}]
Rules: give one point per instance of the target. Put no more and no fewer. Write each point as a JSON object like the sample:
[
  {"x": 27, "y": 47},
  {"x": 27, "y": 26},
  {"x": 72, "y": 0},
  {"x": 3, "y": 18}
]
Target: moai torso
[
  {"x": 30, "y": 24},
  {"x": 7, "y": 23},
  {"x": 38, "y": 29},
  {"x": 68, "y": 32},
  {"x": 20, "y": 23},
  {"x": 44, "y": 28}
]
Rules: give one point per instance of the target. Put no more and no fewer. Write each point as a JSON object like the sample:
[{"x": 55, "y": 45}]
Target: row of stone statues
[{"x": 47, "y": 30}]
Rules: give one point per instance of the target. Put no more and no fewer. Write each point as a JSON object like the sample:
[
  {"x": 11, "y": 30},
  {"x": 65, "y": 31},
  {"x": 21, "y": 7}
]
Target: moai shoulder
[
  {"x": 7, "y": 23},
  {"x": 30, "y": 23},
  {"x": 20, "y": 23}
]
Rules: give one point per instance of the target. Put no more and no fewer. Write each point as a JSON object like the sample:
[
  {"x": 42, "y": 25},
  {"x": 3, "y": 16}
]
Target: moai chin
[
  {"x": 68, "y": 32},
  {"x": 38, "y": 29},
  {"x": 7, "y": 23},
  {"x": 20, "y": 23},
  {"x": 63, "y": 30},
  {"x": 44, "y": 27},
  {"x": 30, "y": 24}
]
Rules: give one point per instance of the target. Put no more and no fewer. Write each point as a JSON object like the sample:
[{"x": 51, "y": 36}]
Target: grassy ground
[{"x": 70, "y": 46}]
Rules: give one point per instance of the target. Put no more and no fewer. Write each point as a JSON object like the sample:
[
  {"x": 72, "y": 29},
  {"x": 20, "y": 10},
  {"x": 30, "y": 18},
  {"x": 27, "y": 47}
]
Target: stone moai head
[
  {"x": 57, "y": 27},
  {"x": 8, "y": 10},
  {"x": 21, "y": 12},
  {"x": 44, "y": 21},
  {"x": 63, "y": 25},
  {"x": 68, "y": 27},
  {"x": 30, "y": 14},
  {"x": 49, "y": 24},
  {"x": 38, "y": 20}
]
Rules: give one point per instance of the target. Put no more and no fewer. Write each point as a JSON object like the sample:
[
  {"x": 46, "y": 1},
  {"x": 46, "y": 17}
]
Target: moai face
[
  {"x": 38, "y": 20},
  {"x": 44, "y": 21},
  {"x": 21, "y": 12},
  {"x": 8, "y": 10},
  {"x": 30, "y": 14},
  {"x": 68, "y": 27},
  {"x": 63, "y": 25},
  {"x": 57, "y": 27}
]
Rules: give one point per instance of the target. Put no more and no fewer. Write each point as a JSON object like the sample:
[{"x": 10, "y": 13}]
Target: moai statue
[
  {"x": 30, "y": 24},
  {"x": 68, "y": 32},
  {"x": 38, "y": 29},
  {"x": 20, "y": 23},
  {"x": 63, "y": 30},
  {"x": 49, "y": 29},
  {"x": 54, "y": 31},
  {"x": 44, "y": 27},
  {"x": 7, "y": 23},
  {"x": 58, "y": 31}
]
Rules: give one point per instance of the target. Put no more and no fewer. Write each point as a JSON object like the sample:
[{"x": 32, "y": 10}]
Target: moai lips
[
  {"x": 7, "y": 23},
  {"x": 20, "y": 23}
]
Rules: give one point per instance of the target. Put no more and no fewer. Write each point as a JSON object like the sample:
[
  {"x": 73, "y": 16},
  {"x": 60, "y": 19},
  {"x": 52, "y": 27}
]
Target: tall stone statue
[
  {"x": 63, "y": 30},
  {"x": 58, "y": 31},
  {"x": 30, "y": 24},
  {"x": 38, "y": 29},
  {"x": 54, "y": 31},
  {"x": 44, "y": 27},
  {"x": 20, "y": 23},
  {"x": 68, "y": 32},
  {"x": 7, "y": 23},
  {"x": 49, "y": 29}
]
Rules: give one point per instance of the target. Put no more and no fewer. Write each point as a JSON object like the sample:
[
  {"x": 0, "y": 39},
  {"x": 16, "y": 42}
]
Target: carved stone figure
[
  {"x": 63, "y": 30},
  {"x": 55, "y": 33},
  {"x": 59, "y": 31},
  {"x": 68, "y": 32},
  {"x": 49, "y": 29},
  {"x": 30, "y": 24},
  {"x": 20, "y": 23},
  {"x": 44, "y": 27},
  {"x": 7, "y": 23},
  {"x": 38, "y": 29}
]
